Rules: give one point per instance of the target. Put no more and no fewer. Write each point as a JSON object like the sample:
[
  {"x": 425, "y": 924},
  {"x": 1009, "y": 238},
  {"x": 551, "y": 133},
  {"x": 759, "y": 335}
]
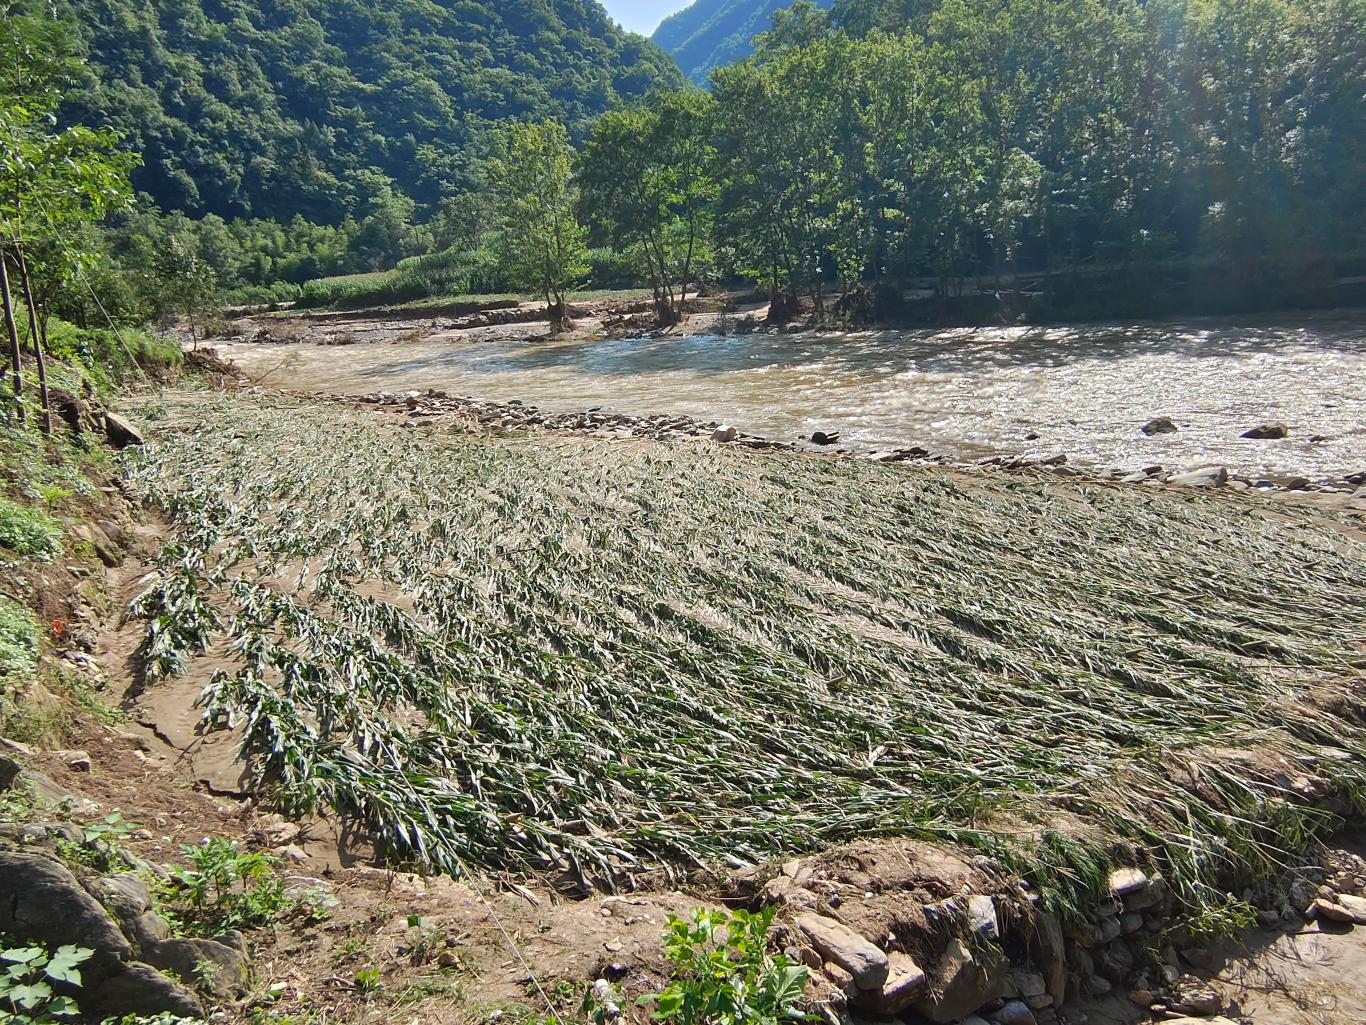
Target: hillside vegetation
[
  {"x": 316, "y": 109},
  {"x": 708, "y": 34}
]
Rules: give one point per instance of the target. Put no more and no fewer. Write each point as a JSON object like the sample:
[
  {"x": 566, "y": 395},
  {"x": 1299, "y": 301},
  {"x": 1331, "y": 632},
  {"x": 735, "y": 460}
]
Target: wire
[{"x": 507, "y": 937}]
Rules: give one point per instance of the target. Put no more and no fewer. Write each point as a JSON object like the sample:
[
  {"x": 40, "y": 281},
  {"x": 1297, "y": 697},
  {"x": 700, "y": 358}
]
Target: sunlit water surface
[{"x": 1085, "y": 391}]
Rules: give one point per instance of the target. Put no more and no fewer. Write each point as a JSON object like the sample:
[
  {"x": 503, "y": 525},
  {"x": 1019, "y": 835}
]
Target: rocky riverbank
[{"x": 432, "y": 406}]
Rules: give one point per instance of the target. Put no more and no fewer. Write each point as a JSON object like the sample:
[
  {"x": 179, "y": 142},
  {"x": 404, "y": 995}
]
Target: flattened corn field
[{"x": 614, "y": 658}]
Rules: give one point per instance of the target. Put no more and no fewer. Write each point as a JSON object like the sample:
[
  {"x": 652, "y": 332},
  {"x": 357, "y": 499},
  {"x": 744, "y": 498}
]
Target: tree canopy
[{"x": 323, "y": 108}]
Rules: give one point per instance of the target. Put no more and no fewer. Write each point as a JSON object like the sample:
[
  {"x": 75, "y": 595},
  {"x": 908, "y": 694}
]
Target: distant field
[
  {"x": 435, "y": 279},
  {"x": 540, "y": 651}
]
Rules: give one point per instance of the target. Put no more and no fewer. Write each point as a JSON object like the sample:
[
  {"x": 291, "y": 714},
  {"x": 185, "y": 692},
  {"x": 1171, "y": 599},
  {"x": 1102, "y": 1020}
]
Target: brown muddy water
[{"x": 1084, "y": 390}]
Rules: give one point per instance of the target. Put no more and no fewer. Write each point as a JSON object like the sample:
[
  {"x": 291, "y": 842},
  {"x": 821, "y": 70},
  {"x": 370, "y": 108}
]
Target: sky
[{"x": 642, "y": 15}]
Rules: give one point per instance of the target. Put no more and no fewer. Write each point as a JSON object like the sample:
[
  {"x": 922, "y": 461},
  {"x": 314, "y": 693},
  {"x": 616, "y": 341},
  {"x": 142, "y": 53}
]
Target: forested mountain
[
  {"x": 711, "y": 33},
  {"x": 277, "y": 108}
]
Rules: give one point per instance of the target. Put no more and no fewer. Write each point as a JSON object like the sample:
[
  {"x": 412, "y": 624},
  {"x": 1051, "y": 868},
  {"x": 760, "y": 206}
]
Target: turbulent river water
[{"x": 1083, "y": 390}]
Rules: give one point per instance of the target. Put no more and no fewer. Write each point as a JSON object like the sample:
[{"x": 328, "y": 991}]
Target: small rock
[
  {"x": 1049, "y": 951},
  {"x": 76, "y": 761},
  {"x": 120, "y": 432},
  {"x": 1015, "y": 1012},
  {"x": 725, "y": 433},
  {"x": 1097, "y": 986},
  {"x": 905, "y": 982},
  {"x": 1201, "y": 1002},
  {"x": 1348, "y": 909},
  {"x": 1108, "y": 930},
  {"x": 1266, "y": 432},
  {"x": 1029, "y": 984},
  {"x": 966, "y": 982},
  {"x": 982, "y": 916},
  {"x": 1204, "y": 477},
  {"x": 838, "y": 943},
  {"x": 1159, "y": 425}
]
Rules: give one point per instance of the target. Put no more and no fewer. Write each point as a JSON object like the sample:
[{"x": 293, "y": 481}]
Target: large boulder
[
  {"x": 1159, "y": 425},
  {"x": 141, "y": 990},
  {"x": 964, "y": 982},
  {"x": 120, "y": 432},
  {"x": 216, "y": 967},
  {"x": 840, "y": 945},
  {"x": 42, "y": 902}
]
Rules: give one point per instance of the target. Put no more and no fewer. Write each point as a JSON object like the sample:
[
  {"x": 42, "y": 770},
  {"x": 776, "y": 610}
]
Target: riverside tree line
[{"x": 1109, "y": 156}]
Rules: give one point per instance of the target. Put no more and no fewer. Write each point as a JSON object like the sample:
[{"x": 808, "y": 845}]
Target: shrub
[
  {"x": 110, "y": 358},
  {"x": 723, "y": 973},
  {"x": 226, "y": 888},
  {"x": 449, "y": 273},
  {"x": 19, "y": 637},
  {"x": 27, "y": 531}
]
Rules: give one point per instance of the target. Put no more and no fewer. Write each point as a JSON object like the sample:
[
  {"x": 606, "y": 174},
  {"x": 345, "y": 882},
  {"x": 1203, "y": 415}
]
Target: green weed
[
  {"x": 28, "y": 531},
  {"x": 27, "y": 977},
  {"x": 20, "y": 637},
  {"x": 723, "y": 973},
  {"x": 225, "y": 888}
]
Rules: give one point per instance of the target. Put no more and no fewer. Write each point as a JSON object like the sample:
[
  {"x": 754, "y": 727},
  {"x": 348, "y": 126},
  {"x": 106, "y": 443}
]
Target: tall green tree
[
  {"x": 648, "y": 177},
  {"x": 53, "y": 182},
  {"x": 530, "y": 175}
]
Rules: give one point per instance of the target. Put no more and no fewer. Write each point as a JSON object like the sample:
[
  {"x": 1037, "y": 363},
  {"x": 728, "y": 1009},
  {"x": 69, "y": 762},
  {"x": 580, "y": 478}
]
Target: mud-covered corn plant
[{"x": 612, "y": 657}]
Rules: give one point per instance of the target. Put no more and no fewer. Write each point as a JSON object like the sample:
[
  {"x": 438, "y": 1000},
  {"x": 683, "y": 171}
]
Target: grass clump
[
  {"x": 28, "y": 532},
  {"x": 604, "y": 658}
]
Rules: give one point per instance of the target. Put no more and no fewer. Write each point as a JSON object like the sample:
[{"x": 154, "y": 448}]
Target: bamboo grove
[{"x": 623, "y": 658}]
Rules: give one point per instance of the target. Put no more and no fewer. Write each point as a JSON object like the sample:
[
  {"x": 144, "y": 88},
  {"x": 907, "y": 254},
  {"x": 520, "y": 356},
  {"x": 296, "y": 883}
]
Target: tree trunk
[
  {"x": 37, "y": 342},
  {"x": 16, "y": 362}
]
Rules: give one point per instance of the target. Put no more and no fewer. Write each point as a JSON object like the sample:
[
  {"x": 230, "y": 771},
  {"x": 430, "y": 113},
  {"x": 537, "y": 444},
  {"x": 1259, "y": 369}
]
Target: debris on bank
[{"x": 426, "y": 407}]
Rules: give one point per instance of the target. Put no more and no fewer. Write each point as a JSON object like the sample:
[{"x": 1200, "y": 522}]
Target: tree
[
  {"x": 648, "y": 178},
  {"x": 186, "y": 283},
  {"x": 52, "y": 182},
  {"x": 529, "y": 172}
]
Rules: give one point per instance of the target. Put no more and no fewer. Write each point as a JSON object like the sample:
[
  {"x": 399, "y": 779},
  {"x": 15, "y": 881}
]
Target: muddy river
[{"x": 1083, "y": 390}]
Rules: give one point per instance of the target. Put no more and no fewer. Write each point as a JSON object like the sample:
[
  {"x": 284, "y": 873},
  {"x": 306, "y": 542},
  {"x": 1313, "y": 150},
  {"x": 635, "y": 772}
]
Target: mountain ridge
[{"x": 708, "y": 34}]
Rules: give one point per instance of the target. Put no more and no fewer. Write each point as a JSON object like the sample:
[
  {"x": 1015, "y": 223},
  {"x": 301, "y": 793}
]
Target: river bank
[{"x": 1026, "y": 395}]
